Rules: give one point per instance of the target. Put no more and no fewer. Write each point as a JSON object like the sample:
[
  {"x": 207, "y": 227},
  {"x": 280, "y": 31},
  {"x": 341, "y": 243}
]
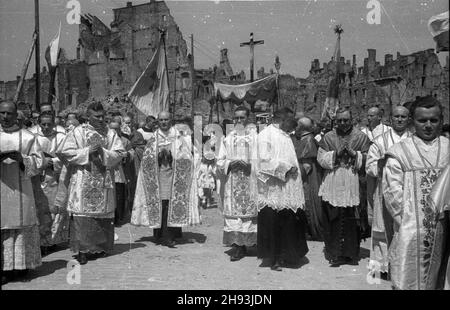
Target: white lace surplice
[
  {"x": 276, "y": 156},
  {"x": 340, "y": 185}
]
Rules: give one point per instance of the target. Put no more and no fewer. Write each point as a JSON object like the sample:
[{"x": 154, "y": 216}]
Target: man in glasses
[{"x": 342, "y": 154}]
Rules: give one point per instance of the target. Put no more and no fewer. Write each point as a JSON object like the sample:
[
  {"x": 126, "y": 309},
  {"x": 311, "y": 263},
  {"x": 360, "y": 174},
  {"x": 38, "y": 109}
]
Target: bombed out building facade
[{"x": 397, "y": 81}]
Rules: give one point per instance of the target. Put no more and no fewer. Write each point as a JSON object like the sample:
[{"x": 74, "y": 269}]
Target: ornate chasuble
[
  {"x": 240, "y": 186},
  {"x": 415, "y": 245},
  {"x": 17, "y": 202},
  {"x": 147, "y": 207},
  {"x": 91, "y": 189}
]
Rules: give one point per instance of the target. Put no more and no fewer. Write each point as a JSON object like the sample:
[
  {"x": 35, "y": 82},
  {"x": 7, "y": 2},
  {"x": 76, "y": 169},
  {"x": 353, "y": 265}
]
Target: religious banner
[
  {"x": 332, "y": 101},
  {"x": 150, "y": 93},
  {"x": 51, "y": 56}
]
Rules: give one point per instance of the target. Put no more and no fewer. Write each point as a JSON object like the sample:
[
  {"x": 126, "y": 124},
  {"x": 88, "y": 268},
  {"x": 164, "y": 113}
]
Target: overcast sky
[{"x": 298, "y": 31}]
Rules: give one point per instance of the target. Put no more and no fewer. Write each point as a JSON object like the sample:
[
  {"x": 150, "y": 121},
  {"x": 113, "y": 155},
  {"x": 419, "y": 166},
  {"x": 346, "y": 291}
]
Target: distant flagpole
[
  {"x": 51, "y": 56},
  {"x": 37, "y": 55}
]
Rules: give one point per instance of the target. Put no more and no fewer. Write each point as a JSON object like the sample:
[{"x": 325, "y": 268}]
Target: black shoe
[
  {"x": 352, "y": 261},
  {"x": 238, "y": 254},
  {"x": 276, "y": 266},
  {"x": 170, "y": 243},
  {"x": 96, "y": 255},
  {"x": 82, "y": 258},
  {"x": 337, "y": 262},
  {"x": 21, "y": 273},
  {"x": 266, "y": 262},
  {"x": 5, "y": 280}
]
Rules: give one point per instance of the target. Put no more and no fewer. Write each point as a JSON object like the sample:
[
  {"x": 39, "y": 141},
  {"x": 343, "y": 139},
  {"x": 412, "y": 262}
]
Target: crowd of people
[{"x": 74, "y": 179}]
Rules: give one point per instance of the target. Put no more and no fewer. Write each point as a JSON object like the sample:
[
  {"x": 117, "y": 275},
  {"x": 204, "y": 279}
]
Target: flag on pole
[
  {"x": 150, "y": 93},
  {"x": 51, "y": 53},
  {"x": 438, "y": 26},
  {"x": 332, "y": 101},
  {"x": 51, "y": 56}
]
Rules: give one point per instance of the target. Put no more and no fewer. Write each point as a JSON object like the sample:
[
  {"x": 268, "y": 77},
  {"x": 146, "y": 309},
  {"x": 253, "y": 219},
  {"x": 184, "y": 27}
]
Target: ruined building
[
  {"x": 117, "y": 56},
  {"x": 396, "y": 82},
  {"x": 110, "y": 59}
]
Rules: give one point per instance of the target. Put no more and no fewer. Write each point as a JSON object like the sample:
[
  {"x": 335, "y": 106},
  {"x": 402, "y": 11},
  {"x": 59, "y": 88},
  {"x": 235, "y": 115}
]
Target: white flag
[{"x": 53, "y": 48}]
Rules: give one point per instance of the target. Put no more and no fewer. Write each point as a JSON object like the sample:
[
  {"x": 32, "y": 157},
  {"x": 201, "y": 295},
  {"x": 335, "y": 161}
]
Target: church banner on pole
[{"x": 150, "y": 93}]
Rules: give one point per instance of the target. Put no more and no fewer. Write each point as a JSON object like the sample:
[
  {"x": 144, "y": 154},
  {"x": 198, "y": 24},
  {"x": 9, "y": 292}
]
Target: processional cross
[{"x": 252, "y": 44}]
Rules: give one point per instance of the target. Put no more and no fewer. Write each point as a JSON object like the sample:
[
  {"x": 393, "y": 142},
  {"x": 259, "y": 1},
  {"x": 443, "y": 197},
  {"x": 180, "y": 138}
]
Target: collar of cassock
[
  {"x": 147, "y": 129},
  {"x": 306, "y": 133},
  {"x": 11, "y": 129}
]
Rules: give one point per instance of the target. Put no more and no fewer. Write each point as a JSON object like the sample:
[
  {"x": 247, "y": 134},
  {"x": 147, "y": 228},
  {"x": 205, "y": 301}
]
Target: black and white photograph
[{"x": 224, "y": 146}]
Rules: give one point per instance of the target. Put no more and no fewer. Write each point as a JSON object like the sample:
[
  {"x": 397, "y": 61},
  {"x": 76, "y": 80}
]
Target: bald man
[
  {"x": 163, "y": 192},
  {"x": 306, "y": 148},
  {"x": 376, "y": 127},
  {"x": 379, "y": 218},
  {"x": 20, "y": 159}
]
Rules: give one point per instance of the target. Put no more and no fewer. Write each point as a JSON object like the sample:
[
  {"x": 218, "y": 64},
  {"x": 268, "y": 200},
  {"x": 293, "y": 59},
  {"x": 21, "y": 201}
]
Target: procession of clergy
[{"x": 278, "y": 185}]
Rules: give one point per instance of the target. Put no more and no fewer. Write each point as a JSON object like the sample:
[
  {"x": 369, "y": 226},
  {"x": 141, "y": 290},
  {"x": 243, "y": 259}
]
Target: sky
[{"x": 298, "y": 31}]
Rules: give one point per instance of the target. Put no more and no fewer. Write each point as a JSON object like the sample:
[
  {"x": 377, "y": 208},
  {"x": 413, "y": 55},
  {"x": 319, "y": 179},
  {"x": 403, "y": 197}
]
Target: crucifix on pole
[{"x": 252, "y": 44}]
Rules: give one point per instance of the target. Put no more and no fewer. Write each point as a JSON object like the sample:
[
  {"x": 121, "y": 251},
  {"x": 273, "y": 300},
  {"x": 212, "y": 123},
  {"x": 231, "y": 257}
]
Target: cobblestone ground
[{"x": 199, "y": 262}]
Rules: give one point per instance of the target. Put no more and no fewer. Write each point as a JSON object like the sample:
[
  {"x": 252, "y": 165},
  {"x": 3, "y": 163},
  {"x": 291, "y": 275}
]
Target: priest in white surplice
[
  {"x": 281, "y": 236},
  {"x": 381, "y": 221},
  {"x": 20, "y": 159},
  {"x": 413, "y": 166},
  {"x": 376, "y": 127}
]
